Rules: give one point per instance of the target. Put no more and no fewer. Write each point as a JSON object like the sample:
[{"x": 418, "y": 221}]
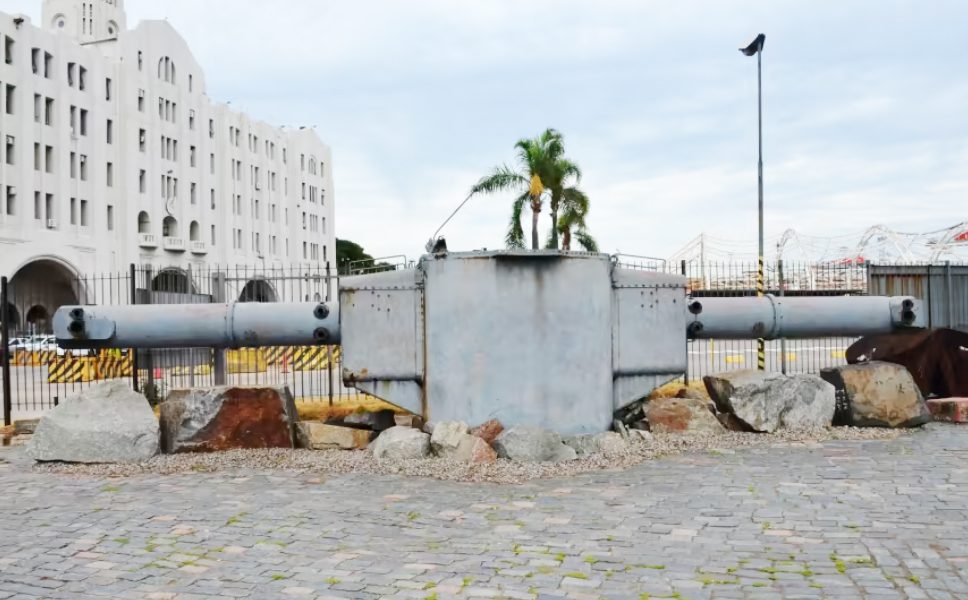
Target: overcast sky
[{"x": 866, "y": 108}]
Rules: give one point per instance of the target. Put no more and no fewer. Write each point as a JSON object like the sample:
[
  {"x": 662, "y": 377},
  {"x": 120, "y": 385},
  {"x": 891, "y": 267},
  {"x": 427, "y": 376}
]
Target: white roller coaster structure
[{"x": 878, "y": 244}]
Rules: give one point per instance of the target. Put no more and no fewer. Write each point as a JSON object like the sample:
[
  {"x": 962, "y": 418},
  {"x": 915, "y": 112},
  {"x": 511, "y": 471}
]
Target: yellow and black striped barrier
[
  {"x": 33, "y": 358},
  {"x": 113, "y": 364},
  {"x": 245, "y": 360},
  {"x": 72, "y": 370},
  {"x": 277, "y": 355}
]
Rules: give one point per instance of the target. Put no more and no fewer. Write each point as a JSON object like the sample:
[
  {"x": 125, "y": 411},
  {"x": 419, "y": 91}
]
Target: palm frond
[
  {"x": 585, "y": 240},
  {"x": 502, "y": 179},
  {"x": 515, "y": 235}
]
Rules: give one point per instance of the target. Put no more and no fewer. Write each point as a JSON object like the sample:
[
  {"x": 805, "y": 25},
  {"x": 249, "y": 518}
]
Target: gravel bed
[{"x": 336, "y": 462}]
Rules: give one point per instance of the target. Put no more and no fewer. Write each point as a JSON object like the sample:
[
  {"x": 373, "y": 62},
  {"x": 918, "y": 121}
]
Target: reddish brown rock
[
  {"x": 227, "y": 418},
  {"x": 952, "y": 410},
  {"x": 681, "y": 415},
  {"x": 488, "y": 431},
  {"x": 474, "y": 450}
]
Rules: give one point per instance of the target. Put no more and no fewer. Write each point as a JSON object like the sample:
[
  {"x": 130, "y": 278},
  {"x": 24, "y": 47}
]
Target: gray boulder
[
  {"x": 877, "y": 394},
  {"x": 609, "y": 443},
  {"x": 401, "y": 443},
  {"x": 106, "y": 423},
  {"x": 809, "y": 402},
  {"x": 532, "y": 444},
  {"x": 748, "y": 395},
  {"x": 769, "y": 401}
]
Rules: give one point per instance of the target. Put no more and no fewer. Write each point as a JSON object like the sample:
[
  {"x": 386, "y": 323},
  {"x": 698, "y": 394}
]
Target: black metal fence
[{"x": 37, "y": 373}]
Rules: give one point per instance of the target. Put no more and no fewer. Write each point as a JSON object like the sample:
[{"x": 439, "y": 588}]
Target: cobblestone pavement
[{"x": 835, "y": 520}]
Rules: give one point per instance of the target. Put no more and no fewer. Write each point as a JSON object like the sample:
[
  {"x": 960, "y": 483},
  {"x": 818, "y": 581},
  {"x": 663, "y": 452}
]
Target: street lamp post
[{"x": 757, "y": 48}]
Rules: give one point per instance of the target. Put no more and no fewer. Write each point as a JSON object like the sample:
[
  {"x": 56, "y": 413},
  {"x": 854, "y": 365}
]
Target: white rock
[
  {"x": 609, "y": 443},
  {"x": 447, "y": 436},
  {"x": 771, "y": 401},
  {"x": 106, "y": 423},
  {"x": 401, "y": 443}
]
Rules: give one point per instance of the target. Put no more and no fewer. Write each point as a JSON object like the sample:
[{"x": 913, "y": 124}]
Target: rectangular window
[
  {"x": 38, "y": 107},
  {"x": 48, "y": 64},
  {"x": 192, "y": 156},
  {"x": 38, "y": 214},
  {"x": 213, "y": 235},
  {"x": 73, "y": 121},
  {"x": 212, "y": 194},
  {"x": 110, "y": 174},
  {"x": 110, "y": 218},
  {"x": 109, "y": 131},
  {"x": 34, "y": 60},
  {"x": 36, "y": 156},
  {"x": 107, "y": 90},
  {"x": 142, "y": 135},
  {"x": 142, "y": 177},
  {"x": 8, "y": 50},
  {"x": 141, "y": 100},
  {"x": 82, "y": 79},
  {"x": 211, "y": 128},
  {"x": 11, "y": 93},
  {"x": 191, "y": 119},
  {"x": 83, "y": 121},
  {"x": 49, "y": 159},
  {"x": 49, "y": 207},
  {"x": 211, "y": 163},
  {"x": 83, "y": 213},
  {"x": 73, "y": 211},
  {"x": 161, "y": 108},
  {"x": 11, "y": 149},
  {"x": 194, "y": 198},
  {"x": 11, "y": 200},
  {"x": 83, "y": 162},
  {"x": 71, "y": 67},
  {"x": 48, "y": 111},
  {"x": 73, "y": 165}
]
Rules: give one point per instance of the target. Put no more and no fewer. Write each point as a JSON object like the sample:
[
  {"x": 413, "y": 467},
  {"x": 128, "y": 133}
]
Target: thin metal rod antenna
[{"x": 433, "y": 238}]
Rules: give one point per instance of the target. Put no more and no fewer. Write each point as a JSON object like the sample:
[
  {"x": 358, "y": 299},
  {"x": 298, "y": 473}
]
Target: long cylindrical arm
[
  {"x": 770, "y": 317},
  {"x": 234, "y": 325}
]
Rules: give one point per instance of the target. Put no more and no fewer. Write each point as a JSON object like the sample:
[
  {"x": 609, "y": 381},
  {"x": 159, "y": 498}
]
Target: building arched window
[
  {"x": 166, "y": 69},
  {"x": 194, "y": 232},
  {"x": 144, "y": 222},
  {"x": 169, "y": 227}
]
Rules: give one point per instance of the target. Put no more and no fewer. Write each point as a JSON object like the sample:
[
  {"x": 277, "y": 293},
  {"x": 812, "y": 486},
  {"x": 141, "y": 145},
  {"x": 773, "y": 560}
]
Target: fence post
[
  {"x": 7, "y": 399},
  {"x": 329, "y": 290},
  {"x": 133, "y": 279},
  {"x": 782, "y": 284},
  {"x": 218, "y": 354},
  {"x": 685, "y": 379},
  {"x": 951, "y": 296}
]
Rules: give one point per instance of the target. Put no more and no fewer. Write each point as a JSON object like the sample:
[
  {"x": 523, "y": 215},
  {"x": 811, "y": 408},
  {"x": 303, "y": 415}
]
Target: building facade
[{"x": 111, "y": 153}]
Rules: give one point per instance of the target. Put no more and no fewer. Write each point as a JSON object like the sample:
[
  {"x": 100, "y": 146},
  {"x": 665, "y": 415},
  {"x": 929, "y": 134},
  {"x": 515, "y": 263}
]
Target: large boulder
[
  {"x": 447, "y": 436},
  {"x": 809, "y": 402},
  {"x": 877, "y": 394},
  {"x": 106, "y": 423},
  {"x": 532, "y": 444},
  {"x": 401, "y": 443},
  {"x": 748, "y": 395},
  {"x": 226, "y": 418},
  {"x": 608, "y": 443},
  {"x": 681, "y": 415},
  {"x": 314, "y": 435},
  {"x": 766, "y": 402}
]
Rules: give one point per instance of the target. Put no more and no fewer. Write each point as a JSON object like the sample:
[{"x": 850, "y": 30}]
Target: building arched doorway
[
  {"x": 173, "y": 281},
  {"x": 258, "y": 290},
  {"x": 36, "y": 291}
]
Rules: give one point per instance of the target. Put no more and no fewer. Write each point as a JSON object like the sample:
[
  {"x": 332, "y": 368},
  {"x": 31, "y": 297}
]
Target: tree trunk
[
  {"x": 566, "y": 240},
  {"x": 555, "y": 202},
  {"x": 535, "y": 213}
]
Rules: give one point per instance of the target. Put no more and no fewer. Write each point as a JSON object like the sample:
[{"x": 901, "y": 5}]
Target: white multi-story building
[{"x": 111, "y": 153}]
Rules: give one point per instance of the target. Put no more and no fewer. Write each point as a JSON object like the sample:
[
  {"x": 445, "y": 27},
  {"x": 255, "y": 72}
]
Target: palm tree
[
  {"x": 574, "y": 209},
  {"x": 536, "y": 158},
  {"x": 560, "y": 173}
]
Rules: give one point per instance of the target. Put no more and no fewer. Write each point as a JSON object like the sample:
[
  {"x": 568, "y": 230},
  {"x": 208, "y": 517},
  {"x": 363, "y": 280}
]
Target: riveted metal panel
[
  {"x": 382, "y": 313},
  {"x": 648, "y": 323}
]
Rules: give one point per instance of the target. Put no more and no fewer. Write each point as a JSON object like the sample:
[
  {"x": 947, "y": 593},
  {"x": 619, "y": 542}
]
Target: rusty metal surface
[{"x": 937, "y": 359}]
